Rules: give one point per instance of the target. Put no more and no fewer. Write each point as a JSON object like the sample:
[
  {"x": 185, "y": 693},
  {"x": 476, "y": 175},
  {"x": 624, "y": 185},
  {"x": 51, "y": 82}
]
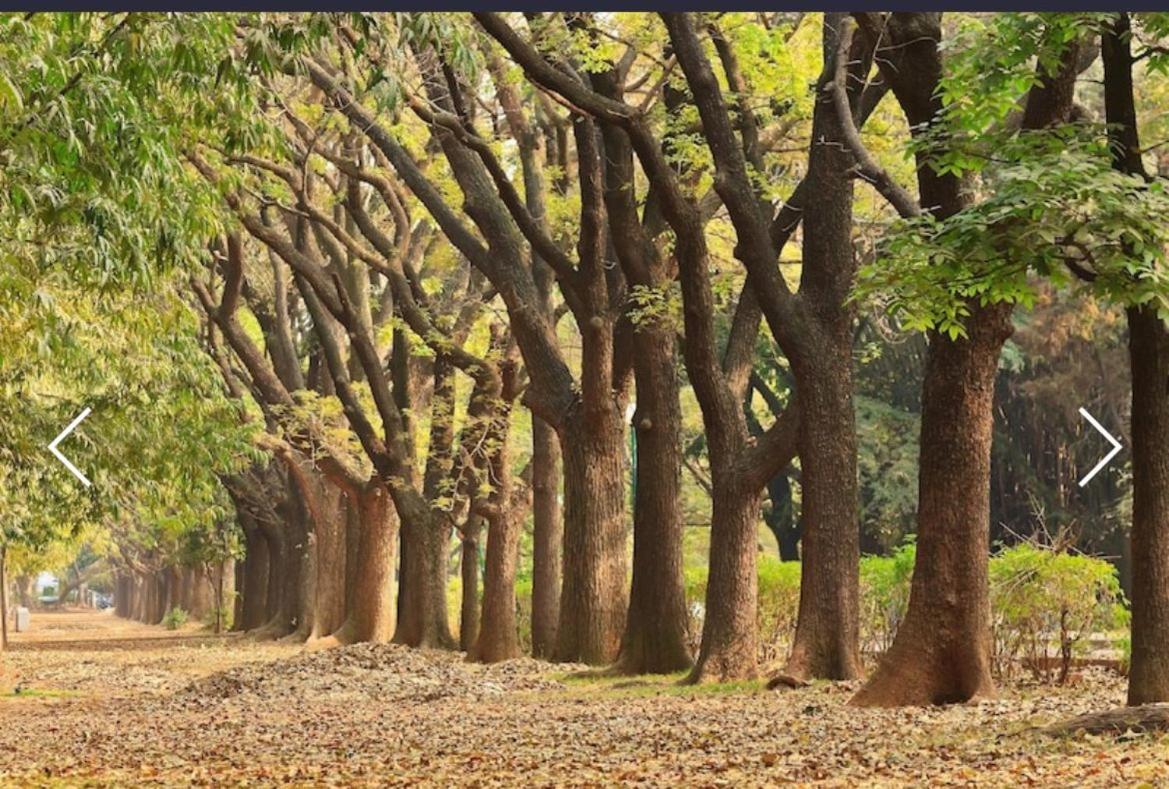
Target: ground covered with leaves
[{"x": 90, "y": 699}]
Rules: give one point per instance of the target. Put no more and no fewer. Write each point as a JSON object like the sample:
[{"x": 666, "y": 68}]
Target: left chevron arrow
[{"x": 61, "y": 437}]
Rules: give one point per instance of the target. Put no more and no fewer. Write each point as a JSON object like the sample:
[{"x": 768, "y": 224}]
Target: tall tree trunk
[
  {"x": 1148, "y": 675},
  {"x": 1148, "y": 343},
  {"x": 547, "y": 538},
  {"x": 469, "y": 571},
  {"x": 655, "y": 639},
  {"x": 827, "y": 638},
  {"x": 593, "y": 597},
  {"x": 942, "y": 653},
  {"x": 729, "y": 648},
  {"x": 498, "y": 637}
]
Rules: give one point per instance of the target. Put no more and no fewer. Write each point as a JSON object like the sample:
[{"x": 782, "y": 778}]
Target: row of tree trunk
[{"x": 149, "y": 595}]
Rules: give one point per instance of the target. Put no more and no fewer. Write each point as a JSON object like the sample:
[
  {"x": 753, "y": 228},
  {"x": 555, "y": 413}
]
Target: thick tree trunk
[
  {"x": 827, "y": 639},
  {"x": 941, "y": 653},
  {"x": 469, "y": 572},
  {"x": 277, "y": 606},
  {"x": 655, "y": 640},
  {"x": 422, "y": 609},
  {"x": 1148, "y": 676},
  {"x": 371, "y": 617},
  {"x": 593, "y": 598},
  {"x": 547, "y": 538},
  {"x": 328, "y": 540},
  {"x": 729, "y": 648},
  {"x": 255, "y": 577}
]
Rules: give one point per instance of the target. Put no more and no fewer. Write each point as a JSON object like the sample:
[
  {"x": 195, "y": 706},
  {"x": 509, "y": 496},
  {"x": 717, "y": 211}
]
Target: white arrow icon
[
  {"x": 1116, "y": 447},
  {"x": 64, "y": 434}
]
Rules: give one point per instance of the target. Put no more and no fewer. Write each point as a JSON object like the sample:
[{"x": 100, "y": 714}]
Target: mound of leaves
[{"x": 388, "y": 672}]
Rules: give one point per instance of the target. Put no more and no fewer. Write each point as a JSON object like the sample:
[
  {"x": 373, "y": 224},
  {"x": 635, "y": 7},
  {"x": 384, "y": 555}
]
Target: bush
[
  {"x": 175, "y": 618},
  {"x": 884, "y": 596},
  {"x": 1044, "y": 603}
]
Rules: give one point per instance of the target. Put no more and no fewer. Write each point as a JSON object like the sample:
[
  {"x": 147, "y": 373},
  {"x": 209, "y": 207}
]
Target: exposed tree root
[{"x": 1146, "y": 718}]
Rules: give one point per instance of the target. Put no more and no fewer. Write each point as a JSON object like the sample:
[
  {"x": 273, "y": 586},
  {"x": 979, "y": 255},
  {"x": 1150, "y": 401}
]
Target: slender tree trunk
[
  {"x": 1148, "y": 676},
  {"x": 469, "y": 571},
  {"x": 593, "y": 598},
  {"x": 499, "y": 638},
  {"x": 729, "y": 648},
  {"x": 655, "y": 639},
  {"x": 547, "y": 538},
  {"x": 25, "y": 590},
  {"x": 3, "y": 597},
  {"x": 942, "y": 653},
  {"x": 239, "y": 572},
  {"x": 827, "y": 638}
]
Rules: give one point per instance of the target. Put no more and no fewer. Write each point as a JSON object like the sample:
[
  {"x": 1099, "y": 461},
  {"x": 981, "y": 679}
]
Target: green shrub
[
  {"x": 884, "y": 596},
  {"x": 175, "y": 618},
  {"x": 1044, "y": 603}
]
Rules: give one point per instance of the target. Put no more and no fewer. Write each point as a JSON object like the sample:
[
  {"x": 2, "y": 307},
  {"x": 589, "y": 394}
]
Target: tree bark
[
  {"x": 942, "y": 651},
  {"x": 1148, "y": 342},
  {"x": 371, "y": 617},
  {"x": 423, "y": 619},
  {"x": 255, "y": 576},
  {"x": 498, "y": 637},
  {"x": 593, "y": 597},
  {"x": 655, "y": 638},
  {"x": 469, "y": 572},
  {"x": 827, "y": 638},
  {"x": 1148, "y": 676},
  {"x": 3, "y": 597},
  {"x": 547, "y": 538},
  {"x": 729, "y": 647}
]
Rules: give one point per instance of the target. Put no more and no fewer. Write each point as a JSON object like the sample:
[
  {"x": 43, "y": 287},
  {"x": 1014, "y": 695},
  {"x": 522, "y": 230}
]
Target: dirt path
[{"x": 107, "y": 702}]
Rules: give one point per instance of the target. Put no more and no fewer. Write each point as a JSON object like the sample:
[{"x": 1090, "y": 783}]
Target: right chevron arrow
[{"x": 1116, "y": 447}]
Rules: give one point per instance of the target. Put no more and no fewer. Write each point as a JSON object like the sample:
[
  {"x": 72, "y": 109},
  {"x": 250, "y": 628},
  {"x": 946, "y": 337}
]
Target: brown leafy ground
[{"x": 105, "y": 701}]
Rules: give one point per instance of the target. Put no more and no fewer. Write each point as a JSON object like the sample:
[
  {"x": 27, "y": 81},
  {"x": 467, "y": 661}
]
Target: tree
[
  {"x": 941, "y": 653},
  {"x": 1149, "y": 361}
]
